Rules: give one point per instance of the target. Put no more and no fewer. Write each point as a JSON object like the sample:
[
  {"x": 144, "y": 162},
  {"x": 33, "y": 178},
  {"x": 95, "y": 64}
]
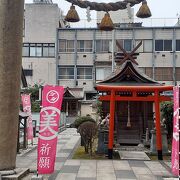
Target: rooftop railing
[{"x": 149, "y": 22}]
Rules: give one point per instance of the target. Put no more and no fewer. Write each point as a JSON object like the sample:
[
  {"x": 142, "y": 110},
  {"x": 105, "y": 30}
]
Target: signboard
[
  {"x": 52, "y": 97},
  {"x": 26, "y": 102},
  {"x": 175, "y": 143}
]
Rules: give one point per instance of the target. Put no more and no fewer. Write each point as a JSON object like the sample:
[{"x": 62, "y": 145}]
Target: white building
[{"x": 41, "y": 19}]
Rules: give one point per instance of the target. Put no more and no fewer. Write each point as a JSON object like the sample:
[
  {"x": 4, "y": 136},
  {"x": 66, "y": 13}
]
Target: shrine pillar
[
  {"x": 111, "y": 125},
  {"x": 158, "y": 126}
]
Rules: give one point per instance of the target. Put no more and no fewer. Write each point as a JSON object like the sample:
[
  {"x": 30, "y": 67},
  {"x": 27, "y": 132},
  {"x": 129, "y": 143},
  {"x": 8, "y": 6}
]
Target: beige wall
[
  {"x": 86, "y": 108},
  {"x": 41, "y": 21}
]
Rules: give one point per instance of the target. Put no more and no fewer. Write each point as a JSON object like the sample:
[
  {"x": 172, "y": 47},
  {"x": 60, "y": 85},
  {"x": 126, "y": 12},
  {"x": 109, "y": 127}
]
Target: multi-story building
[
  {"x": 86, "y": 56},
  {"x": 41, "y": 19}
]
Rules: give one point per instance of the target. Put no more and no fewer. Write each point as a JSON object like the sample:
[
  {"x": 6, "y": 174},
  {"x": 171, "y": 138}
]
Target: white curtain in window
[{"x": 147, "y": 45}]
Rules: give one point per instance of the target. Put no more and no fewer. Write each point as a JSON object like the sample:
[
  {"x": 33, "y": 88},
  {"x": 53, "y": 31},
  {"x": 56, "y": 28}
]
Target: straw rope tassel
[
  {"x": 144, "y": 11},
  {"x": 106, "y": 23},
  {"x": 72, "y": 15}
]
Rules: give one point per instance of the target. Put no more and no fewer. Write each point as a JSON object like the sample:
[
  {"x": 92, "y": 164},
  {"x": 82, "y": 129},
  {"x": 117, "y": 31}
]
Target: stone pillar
[
  {"x": 11, "y": 28},
  {"x": 153, "y": 149}
]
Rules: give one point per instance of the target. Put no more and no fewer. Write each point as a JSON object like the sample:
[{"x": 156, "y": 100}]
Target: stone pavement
[{"x": 67, "y": 168}]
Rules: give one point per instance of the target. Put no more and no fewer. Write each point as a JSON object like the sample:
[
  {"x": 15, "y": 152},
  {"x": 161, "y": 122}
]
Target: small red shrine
[{"x": 129, "y": 96}]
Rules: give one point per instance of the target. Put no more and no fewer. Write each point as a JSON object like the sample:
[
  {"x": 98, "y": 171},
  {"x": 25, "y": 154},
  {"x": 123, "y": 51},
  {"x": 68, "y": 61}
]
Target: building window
[
  {"x": 163, "y": 45},
  {"x": 177, "y": 73},
  {"x": 62, "y": 45},
  {"x": 147, "y": 45},
  {"x": 167, "y": 45},
  {"x": 70, "y": 46},
  {"x": 178, "y": 45},
  {"x": 38, "y": 50},
  {"x": 128, "y": 44},
  {"x": 147, "y": 70},
  {"x": 103, "y": 46},
  {"x": 164, "y": 74},
  {"x": 66, "y": 45},
  {"x": 125, "y": 43},
  {"x": 102, "y": 73},
  {"x": 25, "y": 50},
  {"x": 84, "y": 73},
  {"x": 48, "y": 50},
  {"x": 140, "y": 49},
  {"x": 28, "y": 72},
  {"x": 65, "y": 73},
  {"x": 84, "y": 46}
]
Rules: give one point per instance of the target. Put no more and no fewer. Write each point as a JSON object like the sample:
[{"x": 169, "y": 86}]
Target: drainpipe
[
  {"x": 174, "y": 56},
  {"x": 113, "y": 47},
  {"x": 133, "y": 37},
  {"x": 153, "y": 54},
  {"x": 57, "y": 54},
  {"x": 75, "y": 59},
  {"x": 94, "y": 58}
]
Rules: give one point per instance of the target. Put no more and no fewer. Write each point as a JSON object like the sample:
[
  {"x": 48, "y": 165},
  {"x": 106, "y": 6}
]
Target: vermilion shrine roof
[{"x": 129, "y": 75}]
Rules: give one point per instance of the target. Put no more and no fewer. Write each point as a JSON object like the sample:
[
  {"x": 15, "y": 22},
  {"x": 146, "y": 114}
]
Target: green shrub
[
  {"x": 82, "y": 119},
  {"x": 167, "y": 114}
]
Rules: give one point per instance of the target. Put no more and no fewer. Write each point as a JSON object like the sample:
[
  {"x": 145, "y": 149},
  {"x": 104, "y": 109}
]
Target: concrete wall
[{"x": 41, "y": 21}]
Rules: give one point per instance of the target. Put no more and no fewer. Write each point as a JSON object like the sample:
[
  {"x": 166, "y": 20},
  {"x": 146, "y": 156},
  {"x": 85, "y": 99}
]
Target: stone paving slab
[
  {"x": 126, "y": 174},
  {"x": 65, "y": 151},
  {"x": 66, "y": 176},
  {"x": 146, "y": 177},
  {"x": 133, "y": 155},
  {"x": 121, "y": 165},
  {"x": 73, "y": 162},
  {"x": 69, "y": 169},
  {"x": 141, "y": 171},
  {"x": 135, "y": 163},
  {"x": 79, "y": 178}
]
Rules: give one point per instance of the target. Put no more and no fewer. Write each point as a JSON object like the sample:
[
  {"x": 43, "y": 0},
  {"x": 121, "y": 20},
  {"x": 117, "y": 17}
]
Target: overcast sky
[{"x": 159, "y": 8}]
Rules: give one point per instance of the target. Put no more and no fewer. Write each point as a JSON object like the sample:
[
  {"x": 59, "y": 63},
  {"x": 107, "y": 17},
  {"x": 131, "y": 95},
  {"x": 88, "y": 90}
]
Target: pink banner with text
[
  {"x": 175, "y": 142},
  {"x": 52, "y": 97},
  {"x": 26, "y": 102}
]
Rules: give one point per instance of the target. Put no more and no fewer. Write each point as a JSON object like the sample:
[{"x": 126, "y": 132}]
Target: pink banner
[
  {"x": 52, "y": 97},
  {"x": 175, "y": 143},
  {"x": 26, "y": 102}
]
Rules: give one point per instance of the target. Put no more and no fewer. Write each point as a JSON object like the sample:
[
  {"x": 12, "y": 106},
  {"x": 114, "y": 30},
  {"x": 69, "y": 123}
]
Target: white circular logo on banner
[
  {"x": 48, "y": 123},
  {"x": 52, "y": 96}
]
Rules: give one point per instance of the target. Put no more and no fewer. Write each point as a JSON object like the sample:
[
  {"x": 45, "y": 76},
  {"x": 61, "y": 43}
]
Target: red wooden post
[
  {"x": 158, "y": 127},
  {"x": 111, "y": 125}
]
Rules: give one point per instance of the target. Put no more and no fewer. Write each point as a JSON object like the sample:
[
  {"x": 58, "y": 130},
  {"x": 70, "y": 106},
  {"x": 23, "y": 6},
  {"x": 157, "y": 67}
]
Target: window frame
[
  {"x": 66, "y": 73},
  {"x": 105, "y": 45},
  {"x": 122, "y": 42},
  {"x": 85, "y": 47},
  {"x": 40, "y": 46},
  {"x": 176, "y": 45},
  {"x": 67, "y": 46},
  {"x": 84, "y": 73},
  {"x": 163, "y": 45}
]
